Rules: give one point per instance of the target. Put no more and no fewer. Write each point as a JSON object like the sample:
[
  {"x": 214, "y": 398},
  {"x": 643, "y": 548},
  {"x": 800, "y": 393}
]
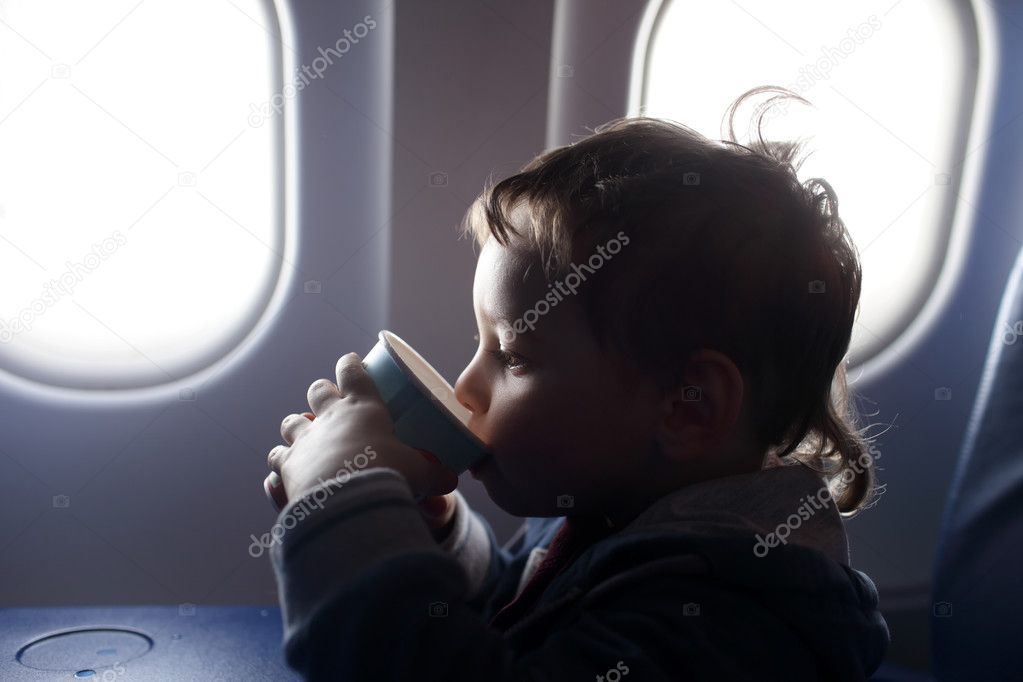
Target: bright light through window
[
  {"x": 892, "y": 87},
  {"x": 140, "y": 226}
]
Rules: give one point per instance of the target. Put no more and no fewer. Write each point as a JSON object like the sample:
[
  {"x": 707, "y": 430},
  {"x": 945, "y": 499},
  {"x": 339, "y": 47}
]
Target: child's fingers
[
  {"x": 274, "y": 488},
  {"x": 273, "y": 485},
  {"x": 292, "y": 427}
]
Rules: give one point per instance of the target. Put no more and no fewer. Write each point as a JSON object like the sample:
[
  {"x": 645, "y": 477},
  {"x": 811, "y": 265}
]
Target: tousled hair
[{"x": 727, "y": 249}]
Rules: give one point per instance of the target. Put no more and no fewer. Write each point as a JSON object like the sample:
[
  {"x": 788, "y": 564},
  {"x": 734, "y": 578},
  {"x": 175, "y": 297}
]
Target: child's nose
[{"x": 468, "y": 391}]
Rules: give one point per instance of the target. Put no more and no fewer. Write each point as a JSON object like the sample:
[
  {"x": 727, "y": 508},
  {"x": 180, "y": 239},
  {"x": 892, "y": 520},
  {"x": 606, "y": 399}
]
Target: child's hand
[
  {"x": 353, "y": 431},
  {"x": 437, "y": 510}
]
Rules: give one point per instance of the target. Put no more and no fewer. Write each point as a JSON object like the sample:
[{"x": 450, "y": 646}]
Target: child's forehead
[
  {"x": 506, "y": 275},
  {"x": 514, "y": 260}
]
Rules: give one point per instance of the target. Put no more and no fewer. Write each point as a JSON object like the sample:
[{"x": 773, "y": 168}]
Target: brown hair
[{"x": 727, "y": 249}]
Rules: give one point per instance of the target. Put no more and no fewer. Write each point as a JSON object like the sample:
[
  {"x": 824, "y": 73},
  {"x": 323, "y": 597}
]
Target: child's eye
[{"x": 509, "y": 360}]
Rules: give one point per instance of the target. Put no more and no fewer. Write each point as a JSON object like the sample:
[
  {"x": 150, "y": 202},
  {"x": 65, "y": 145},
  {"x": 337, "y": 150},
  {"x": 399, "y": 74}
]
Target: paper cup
[{"x": 422, "y": 404}]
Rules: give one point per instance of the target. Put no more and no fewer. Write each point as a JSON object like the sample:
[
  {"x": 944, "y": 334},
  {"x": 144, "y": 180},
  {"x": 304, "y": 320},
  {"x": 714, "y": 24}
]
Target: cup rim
[{"x": 389, "y": 338}]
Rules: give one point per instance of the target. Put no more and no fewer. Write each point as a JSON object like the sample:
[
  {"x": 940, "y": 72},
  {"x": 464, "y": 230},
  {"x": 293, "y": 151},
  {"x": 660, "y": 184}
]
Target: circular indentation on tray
[{"x": 84, "y": 648}]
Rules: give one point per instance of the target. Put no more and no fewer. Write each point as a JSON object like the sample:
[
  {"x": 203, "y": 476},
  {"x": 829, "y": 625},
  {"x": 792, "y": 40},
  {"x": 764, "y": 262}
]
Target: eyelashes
[{"x": 509, "y": 360}]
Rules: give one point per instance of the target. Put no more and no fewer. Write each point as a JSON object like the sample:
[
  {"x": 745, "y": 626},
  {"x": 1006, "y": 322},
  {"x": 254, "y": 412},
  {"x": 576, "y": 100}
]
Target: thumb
[
  {"x": 435, "y": 506},
  {"x": 437, "y": 510}
]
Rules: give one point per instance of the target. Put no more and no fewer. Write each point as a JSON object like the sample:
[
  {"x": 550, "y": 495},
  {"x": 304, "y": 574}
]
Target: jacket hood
[{"x": 775, "y": 534}]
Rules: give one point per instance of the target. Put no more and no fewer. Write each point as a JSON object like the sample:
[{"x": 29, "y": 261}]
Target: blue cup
[{"x": 422, "y": 405}]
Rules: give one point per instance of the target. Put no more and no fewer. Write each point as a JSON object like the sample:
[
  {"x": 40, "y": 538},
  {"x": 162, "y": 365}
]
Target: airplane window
[
  {"x": 891, "y": 84},
  {"x": 140, "y": 209}
]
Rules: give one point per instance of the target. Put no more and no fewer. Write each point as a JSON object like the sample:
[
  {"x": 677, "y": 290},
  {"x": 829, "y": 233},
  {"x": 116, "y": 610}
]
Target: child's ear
[{"x": 699, "y": 414}]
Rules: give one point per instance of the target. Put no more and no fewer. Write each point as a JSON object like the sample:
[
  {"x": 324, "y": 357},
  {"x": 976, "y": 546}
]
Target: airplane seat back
[{"x": 977, "y": 592}]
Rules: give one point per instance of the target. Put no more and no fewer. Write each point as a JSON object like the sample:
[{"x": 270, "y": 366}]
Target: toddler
[{"x": 663, "y": 321}]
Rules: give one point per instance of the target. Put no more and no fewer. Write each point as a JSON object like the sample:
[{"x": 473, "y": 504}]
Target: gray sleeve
[{"x": 337, "y": 531}]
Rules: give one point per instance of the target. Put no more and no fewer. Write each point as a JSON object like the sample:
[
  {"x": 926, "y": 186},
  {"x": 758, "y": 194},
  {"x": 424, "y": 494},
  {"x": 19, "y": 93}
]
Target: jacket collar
[{"x": 789, "y": 502}]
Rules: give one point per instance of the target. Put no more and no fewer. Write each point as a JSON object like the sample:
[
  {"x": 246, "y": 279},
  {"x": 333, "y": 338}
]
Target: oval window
[
  {"x": 892, "y": 86},
  {"x": 140, "y": 185}
]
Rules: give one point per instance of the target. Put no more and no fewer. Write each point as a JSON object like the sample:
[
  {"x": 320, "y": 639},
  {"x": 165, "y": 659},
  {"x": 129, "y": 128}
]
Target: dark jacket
[{"x": 697, "y": 587}]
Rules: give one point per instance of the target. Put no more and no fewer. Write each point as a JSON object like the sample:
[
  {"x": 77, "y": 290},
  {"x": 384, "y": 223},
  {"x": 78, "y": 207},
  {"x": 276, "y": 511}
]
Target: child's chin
[
  {"x": 520, "y": 506},
  {"x": 506, "y": 499}
]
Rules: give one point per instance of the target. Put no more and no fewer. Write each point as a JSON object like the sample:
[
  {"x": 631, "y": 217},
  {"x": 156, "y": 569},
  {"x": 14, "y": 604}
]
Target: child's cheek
[{"x": 527, "y": 427}]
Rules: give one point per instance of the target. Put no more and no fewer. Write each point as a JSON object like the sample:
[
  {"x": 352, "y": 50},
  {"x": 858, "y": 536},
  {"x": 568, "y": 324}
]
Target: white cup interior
[{"x": 429, "y": 377}]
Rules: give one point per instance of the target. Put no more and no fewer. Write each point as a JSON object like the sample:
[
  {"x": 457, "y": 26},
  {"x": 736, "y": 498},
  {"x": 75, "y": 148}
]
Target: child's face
[{"x": 561, "y": 417}]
